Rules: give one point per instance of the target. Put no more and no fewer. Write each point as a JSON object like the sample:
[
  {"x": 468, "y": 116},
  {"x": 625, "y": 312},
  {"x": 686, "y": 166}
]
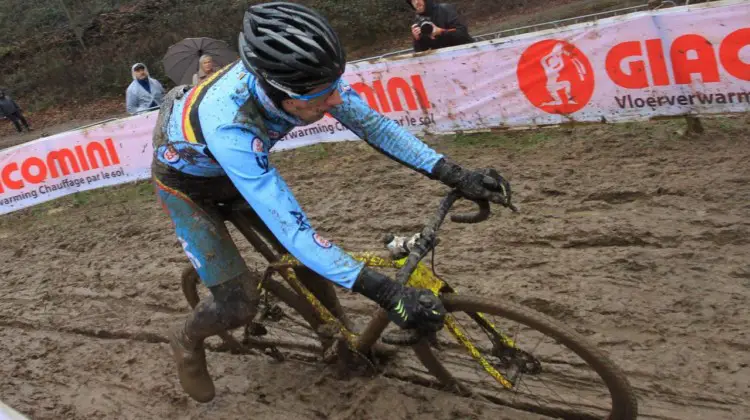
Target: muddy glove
[
  {"x": 484, "y": 184},
  {"x": 407, "y": 307}
]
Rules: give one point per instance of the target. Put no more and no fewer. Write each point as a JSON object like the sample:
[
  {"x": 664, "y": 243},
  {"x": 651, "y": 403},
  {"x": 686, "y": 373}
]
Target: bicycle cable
[{"x": 432, "y": 259}]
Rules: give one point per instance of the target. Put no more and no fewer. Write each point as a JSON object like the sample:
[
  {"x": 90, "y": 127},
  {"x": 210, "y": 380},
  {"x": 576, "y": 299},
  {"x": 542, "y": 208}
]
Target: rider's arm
[
  {"x": 244, "y": 157},
  {"x": 383, "y": 133}
]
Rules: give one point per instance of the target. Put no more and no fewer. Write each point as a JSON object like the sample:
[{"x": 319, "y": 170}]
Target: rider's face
[{"x": 312, "y": 110}]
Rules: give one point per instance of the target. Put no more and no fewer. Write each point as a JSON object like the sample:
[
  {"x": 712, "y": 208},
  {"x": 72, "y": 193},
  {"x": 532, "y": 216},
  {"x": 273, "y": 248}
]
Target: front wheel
[{"x": 544, "y": 366}]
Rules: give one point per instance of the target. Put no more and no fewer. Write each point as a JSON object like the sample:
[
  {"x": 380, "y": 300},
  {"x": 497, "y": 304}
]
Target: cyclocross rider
[{"x": 211, "y": 146}]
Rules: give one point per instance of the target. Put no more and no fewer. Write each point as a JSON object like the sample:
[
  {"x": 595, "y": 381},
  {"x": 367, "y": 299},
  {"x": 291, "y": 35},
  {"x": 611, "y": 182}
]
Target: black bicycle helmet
[{"x": 291, "y": 46}]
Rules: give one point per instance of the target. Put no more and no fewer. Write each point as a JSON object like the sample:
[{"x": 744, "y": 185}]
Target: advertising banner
[
  {"x": 109, "y": 154},
  {"x": 676, "y": 61}
]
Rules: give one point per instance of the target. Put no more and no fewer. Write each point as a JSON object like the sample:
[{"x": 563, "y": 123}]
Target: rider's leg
[
  {"x": 232, "y": 304},
  {"x": 319, "y": 286},
  {"x": 234, "y": 295}
]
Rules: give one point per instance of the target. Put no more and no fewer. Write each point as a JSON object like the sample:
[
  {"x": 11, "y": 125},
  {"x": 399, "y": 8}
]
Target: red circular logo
[
  {"x": 321, "y": 241},
  {"x": 257, "y": 145},
  {"x": 556, "y": 76},
  {"x": 171, "y": 154}
]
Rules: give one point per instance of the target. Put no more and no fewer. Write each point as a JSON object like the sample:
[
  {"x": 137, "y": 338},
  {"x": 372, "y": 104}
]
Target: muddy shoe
[{"x": 191, "y": 368}]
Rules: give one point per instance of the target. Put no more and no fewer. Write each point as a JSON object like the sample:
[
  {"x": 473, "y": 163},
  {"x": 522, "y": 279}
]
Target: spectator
[
  {"x": 448, "y": 27},
  {"x": 144, "y": 93},
  {"x": 206, "y": 66},
  {"x": 10, "y": 109}
]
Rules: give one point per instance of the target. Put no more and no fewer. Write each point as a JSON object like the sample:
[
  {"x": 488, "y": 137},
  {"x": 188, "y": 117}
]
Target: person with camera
[{"x": 437, "y": 25}]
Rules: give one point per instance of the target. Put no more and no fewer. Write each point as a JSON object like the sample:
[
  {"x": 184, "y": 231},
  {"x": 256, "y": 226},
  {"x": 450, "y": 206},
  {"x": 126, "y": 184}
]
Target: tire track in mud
[
  {"x": 407, "y": 370},
  {"x": 404, "y": 372},
  {"x": 312, "y": 362},
  {"x": 416, "y": 375},
  {"x": 111, "y": 301},
  {"x": 424, "y": 380}
]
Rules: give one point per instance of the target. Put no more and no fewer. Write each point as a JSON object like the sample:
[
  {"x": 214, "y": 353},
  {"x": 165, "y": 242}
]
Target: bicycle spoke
[
  {"x": 566, "y": 383},
  {"x": 536, "y": 397}
]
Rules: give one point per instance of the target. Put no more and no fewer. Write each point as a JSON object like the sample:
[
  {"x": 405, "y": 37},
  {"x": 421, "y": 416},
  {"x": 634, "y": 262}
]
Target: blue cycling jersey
[{"x": 227, "y": 125}]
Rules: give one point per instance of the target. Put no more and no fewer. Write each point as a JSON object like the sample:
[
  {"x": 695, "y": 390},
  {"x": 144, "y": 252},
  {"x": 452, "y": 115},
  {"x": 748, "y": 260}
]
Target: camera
[{"x": 425, "y": 25}]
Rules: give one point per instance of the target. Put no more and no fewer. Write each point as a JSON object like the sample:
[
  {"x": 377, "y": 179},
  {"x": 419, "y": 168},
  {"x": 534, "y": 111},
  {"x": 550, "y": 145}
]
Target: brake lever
[{"x": 426, "y": 241}]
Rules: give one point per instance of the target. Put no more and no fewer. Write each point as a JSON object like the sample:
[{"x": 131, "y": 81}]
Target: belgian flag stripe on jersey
[{"x": 191, "y": 125}]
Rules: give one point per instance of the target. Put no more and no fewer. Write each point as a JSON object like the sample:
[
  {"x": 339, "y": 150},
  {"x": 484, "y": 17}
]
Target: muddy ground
[{"x": 636, "y": 236}]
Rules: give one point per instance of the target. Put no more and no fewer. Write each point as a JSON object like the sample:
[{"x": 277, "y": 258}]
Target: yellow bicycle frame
[{"x": 422, "y": 278}]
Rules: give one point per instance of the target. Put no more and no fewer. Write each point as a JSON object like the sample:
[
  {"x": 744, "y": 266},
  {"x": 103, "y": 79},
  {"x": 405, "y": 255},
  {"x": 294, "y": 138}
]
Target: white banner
[
  {"x": 109, "y": 154},
  {"x": 676, "y": 61}
]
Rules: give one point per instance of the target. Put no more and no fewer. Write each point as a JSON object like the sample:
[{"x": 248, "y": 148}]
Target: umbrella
[{"x": 181, "y": 60}]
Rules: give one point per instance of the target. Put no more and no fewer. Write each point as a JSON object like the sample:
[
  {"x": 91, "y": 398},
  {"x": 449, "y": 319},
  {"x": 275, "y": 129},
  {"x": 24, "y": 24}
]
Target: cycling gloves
[
  {"x": 407, "y": 307},
  {"x": 484, "y": 184}
]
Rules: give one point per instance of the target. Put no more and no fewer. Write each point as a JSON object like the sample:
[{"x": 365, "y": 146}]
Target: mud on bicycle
[{"x": 477, "y": 353}]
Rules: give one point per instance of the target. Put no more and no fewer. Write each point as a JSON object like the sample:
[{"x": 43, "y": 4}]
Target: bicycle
[{"x": 505, "y": 364}]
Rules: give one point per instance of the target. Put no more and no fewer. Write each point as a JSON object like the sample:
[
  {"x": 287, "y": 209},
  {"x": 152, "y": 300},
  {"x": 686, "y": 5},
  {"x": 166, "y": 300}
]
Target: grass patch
[
  {"x": 140, "y": 191},
  {"x": 553, "y": 13},
  {"x": 126, "y": 194},
  {"x": 313, "y": 152}
]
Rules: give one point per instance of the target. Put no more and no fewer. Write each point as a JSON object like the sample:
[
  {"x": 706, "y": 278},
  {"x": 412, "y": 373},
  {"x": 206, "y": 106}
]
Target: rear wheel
[{"x": 552, "y": 370}]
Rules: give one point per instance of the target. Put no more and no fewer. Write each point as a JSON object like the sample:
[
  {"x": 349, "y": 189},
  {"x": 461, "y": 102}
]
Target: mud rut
[{"x": 633, "y": 235}]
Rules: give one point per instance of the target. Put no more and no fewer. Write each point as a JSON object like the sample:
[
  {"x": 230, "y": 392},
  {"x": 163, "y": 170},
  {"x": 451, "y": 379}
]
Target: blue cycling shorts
[{"x": 203, "y": 236}]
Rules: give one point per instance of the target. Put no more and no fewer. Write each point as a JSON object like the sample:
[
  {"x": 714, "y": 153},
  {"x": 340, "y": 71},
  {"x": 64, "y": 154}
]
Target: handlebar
[{"x": 428, "y": 237}]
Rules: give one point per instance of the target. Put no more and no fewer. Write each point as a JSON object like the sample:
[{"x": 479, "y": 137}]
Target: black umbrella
[{"x": 181, "y": 60}]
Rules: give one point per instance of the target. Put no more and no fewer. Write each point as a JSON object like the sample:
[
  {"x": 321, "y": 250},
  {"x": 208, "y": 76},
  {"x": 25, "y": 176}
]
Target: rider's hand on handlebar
[
  {"x": 483, "y": 184},
  {"x": 407, "y": 307}
]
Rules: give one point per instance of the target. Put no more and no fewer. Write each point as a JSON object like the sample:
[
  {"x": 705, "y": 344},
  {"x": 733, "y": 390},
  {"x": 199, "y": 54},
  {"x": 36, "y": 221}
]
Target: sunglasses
[{"x": 310, "y": 96}]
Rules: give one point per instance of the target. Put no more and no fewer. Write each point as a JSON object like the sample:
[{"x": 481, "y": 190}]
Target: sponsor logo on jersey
[
  {"x": 301, "y": 220},
  {"x": 258, "y": 145},
  {"x": 171, "y": 155},
  {"x": 322, "y": 242}
]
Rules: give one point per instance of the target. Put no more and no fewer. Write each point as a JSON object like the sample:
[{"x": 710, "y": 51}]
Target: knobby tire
[{"x": 624, "y": 403}]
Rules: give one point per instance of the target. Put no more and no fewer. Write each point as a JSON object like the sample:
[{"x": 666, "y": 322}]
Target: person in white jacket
[{"x": 144, "y": 93}]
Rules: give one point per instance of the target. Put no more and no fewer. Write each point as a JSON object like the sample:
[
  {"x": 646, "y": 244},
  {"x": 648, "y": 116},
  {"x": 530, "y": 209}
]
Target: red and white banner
[
  {"x": 683, "y": 60},
  {"x": 676, "y": 61},
  {"x": 109, "y": 154}
]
